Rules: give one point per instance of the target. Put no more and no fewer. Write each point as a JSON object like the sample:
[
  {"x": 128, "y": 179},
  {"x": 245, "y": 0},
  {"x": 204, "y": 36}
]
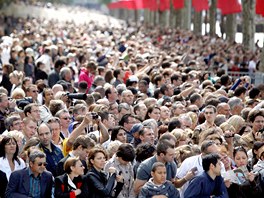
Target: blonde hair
[
  {"x": 18, "y": 91},
  {"x": 237, "y": 122},
  {"x": 179, "y": 134},
  {"x": 18, "y": 74},
  {"x": 113, "y": 147},
  {"x": 183, "y": 152},
  {"x": 227, "y": 126}
]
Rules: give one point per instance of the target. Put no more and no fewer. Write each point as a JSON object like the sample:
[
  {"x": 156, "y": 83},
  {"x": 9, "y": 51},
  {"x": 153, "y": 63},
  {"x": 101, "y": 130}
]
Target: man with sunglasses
[
  {"x": 53, "y": 153},
  {"x": 33, "y": 181}
]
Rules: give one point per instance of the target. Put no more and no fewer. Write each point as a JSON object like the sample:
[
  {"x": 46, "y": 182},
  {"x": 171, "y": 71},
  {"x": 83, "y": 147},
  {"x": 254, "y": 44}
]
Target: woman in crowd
[
  {"x": 119, "y": 133},
  {"x": 153, "y": 112},
  {"x": 7, "y": 70},
  {"x": 71, "y": 184},
  {"x": 101, "y": 185},
  {"x": 143, "y": 151},
  {"x": 249, "y": 183},
  {"x": 9, "y": 160},
  {"x": 122, "y": 162},
  {"x": 16, "y": 78}
]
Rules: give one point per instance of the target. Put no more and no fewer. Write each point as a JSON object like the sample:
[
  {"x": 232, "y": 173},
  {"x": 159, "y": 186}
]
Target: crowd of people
[{"x": 131, "y": 111}]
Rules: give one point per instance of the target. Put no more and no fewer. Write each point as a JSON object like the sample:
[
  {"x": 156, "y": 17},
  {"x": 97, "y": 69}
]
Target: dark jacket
[
  {"x": 18, "y": 185},
  {"x": 3, "y": 184},
  {"x": 64, "y": 190},
  {"x": 102, "y": 187},
  {"x": 60, "y": 170},
  {"x": 249, "y": 190}
]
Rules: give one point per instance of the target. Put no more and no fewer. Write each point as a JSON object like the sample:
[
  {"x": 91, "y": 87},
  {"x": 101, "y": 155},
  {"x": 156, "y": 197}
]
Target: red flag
[
  {"x": 229, "y": 6},
  {"x": 141, "y": 4},
  {"x": 152, "y": 5},
  {"x": 178, "y": 4},
  {"x": 128, "y": 4},
  {"x": 200, "y": 5},
  {"x": 164, "y": 5},
  {"x": 260, "y": 7},
  {"x": 113, "y": 5}
]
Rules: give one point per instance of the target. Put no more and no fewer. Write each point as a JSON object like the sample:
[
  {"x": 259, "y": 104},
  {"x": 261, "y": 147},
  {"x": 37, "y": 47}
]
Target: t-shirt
[{"x": 144, "y": 169}]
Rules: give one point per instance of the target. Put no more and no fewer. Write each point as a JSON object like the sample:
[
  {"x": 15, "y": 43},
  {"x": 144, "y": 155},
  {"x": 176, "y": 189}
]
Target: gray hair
[
  {"x": 36, "y": 153},
  {"x": 64, "y": 71},
  {"x": 234, "y": 101},
  {"x": 98, "y": 79},
  {"x": 58, "y": 114},
  {"x": 9, "y": 121}
]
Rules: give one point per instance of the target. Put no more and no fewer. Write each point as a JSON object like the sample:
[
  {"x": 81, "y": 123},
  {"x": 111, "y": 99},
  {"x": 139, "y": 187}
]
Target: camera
[
  {"x": 95, "y": 116},
  {"x": 79, "y": 96}
]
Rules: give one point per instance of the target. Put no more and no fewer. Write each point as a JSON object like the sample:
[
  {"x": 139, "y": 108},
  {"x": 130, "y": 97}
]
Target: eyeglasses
[
  {"x": 209, "y": 112},
  {"x": 10, "y": 143},
  {"x": 42, "y": 164},
  {"x": 195, "y": 110},
  {"x": 66, "y": 118}
]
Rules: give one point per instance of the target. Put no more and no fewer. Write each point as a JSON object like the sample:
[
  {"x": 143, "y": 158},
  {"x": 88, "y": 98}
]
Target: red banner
[
  {"x": 229, "y": 6},
  {"x": 200, "y": 5},
  {"x": 164, "y": 5},
  {"x": 178, "y": 4},
  {"x": 260, "y": 7}
]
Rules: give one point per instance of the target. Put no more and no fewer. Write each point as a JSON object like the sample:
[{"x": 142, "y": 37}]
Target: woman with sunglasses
[
  {"x": 100, "y": 184},
  {"x": 71, "y": 184},
  {"x": 249, "y": 182},
  {"x": 9, "y": 160}
]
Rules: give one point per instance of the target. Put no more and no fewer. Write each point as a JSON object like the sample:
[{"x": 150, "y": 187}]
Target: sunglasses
[{"x": 42, "y": 164}]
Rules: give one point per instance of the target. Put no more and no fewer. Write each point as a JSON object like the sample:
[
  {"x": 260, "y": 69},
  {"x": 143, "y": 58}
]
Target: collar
[
  {"x": 30, "y": 173},
  {"x": 70, "y": 182}
]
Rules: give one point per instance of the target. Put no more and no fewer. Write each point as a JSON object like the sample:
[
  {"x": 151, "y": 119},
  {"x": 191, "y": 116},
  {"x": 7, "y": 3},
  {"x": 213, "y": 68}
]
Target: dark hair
[
  {"x": 71, "y": 161},
  {"x": 59, "y": 63},
  {"x": 163, "y": 146},
  {"x": 115, "y": 131},
  {"x": 239, "y": 91},
  {"x": 144, "y": 151},
  {"x": 239, "y": 149},
  {"x": 224, "y": 79},
  {"x": 150, "y": 110},
  {"x": 254, "y": 92},
  {"x": 205, "y": 145},
  {"x": 124, "y": 119},
  {"x": 167, "y": 136},
  {"x": 92, "y": 154},
  {"x": 27, "y": 108},
  {"x": 156, "y": 165},
  {"x": 175, "y": 123},
  {"x": 6, "y": 140},
  {"x": 257, "y": 145},
  {"x": 104, "y": 115},
  {"x": 126, "y": 152},
  {"x": 209, "y": 159},
  {"x": 194, "y": 97},
  {"x": 84, "y": 141}
]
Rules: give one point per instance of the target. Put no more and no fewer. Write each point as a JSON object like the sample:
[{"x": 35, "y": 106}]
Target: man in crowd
[{"x": 33, "y": 181}]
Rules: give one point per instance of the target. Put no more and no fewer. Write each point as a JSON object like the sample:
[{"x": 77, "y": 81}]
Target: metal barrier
[{"x": 256, "y": 78}]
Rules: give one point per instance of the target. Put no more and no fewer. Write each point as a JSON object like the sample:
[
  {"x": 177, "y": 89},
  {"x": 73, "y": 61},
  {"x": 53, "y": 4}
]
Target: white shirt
[
  {"x": 4, "y": 166},
  {"x": 187, "y": 165}
]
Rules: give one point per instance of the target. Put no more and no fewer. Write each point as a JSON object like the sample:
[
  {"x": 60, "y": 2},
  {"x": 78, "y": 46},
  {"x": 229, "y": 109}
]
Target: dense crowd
[{"x": 135, "y": 111}]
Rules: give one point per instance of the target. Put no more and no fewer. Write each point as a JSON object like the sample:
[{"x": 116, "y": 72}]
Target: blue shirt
[
  {"x": 34, "y": 185},
  {"x": 52, "y": 158},
  {"x": 203, "y": 186}
]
